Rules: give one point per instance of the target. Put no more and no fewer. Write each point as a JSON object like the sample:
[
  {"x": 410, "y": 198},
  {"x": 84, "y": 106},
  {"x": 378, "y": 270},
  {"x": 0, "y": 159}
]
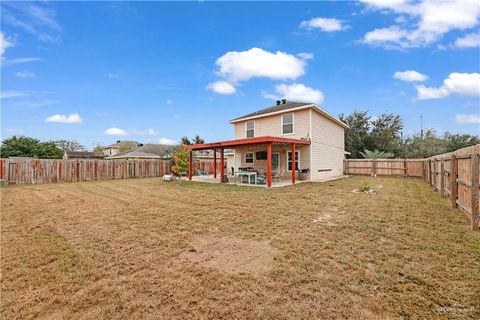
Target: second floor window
[
  {"x": 287, "y": 123},
  {"x": 250, "y": 129}
]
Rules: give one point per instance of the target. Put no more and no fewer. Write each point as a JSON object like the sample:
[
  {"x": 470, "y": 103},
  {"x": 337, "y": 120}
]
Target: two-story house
[{"x": 289, "y": 140}]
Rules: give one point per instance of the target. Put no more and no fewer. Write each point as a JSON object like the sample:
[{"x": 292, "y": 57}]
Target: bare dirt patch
[{"x": 231, "y": 254}]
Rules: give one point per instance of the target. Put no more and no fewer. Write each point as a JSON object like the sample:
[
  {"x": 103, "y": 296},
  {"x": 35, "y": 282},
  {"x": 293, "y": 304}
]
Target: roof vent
[
  {"x": 284, "y": 101},
  {"x": 278, "y": 102}
]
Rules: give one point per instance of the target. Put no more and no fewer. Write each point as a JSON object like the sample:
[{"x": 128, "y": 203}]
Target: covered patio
[{"x": 266, "y": 142}]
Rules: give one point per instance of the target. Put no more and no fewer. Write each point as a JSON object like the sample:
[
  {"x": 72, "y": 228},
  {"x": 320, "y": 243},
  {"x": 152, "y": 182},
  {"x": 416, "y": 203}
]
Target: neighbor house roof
[
  {"x": 288, "y": 106},
  {"x": 83, "y": 155},
  {"x": 150, "y": 151},
  {"x": 123, "y": 144}
]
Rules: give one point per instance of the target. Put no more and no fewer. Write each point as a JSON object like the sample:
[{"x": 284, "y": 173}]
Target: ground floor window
[
  {"x": 249, "y": 157},
  {"x": 289, "y": 160}
]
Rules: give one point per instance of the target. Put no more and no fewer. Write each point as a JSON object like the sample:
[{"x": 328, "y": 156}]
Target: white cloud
[
  {"x": 222, "y": 87},
  {"x": 460, "y": 84},
  {"x": 115, "y": 132},
  {"x": 5, "y": 43},
  {"x": 20, "y": 60},
  {"x": 384, "y": 36},
  {"x": 167, "y": 141},
  {"x": 471, "y": 40},
  {"x": 324, "y": 24},
  {"x": 306, "y": 55},
  {"x": 432, "y": 19},
  {"x": 61, "y": 118},
  {"x": 467, "y": 118},
  {"x": 36, "y": 19},
  {"x": 296, "y": 92},
  {"x": 236, "y": 66},
  {"x": 169, "y": 101},
  {"x": 25, "y": 74},
  {"x": 410, "y": 76},
  {"x": 114, "y": 76},
  {"x": 11, "y": 94}
]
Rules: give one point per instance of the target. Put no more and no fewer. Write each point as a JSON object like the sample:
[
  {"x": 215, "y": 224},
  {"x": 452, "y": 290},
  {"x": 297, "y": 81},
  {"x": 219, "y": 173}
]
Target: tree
[
  {"x": 357, "y": 135},
  {"x": 385, "y": 134},
  {"x": 429, "y": 145},
  {"x": 180, "y": 160},
  {"x": 185, "y": 141},
  {"x": 69, "y": 145},
  {"x": 457, "y": 141},
  {"x": 29, "y": 147},
  {"x": 376, "y": 154},
  {"x": 197, "y": 140}
]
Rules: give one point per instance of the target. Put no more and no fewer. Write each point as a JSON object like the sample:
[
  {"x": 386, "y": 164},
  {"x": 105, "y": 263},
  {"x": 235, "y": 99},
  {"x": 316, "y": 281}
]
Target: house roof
[
  {"x": 150, "y": 150},
  {"x": 83, "y": 154},
  {"x": 246, "y": 142},
  {"x": 123, "y": 144},
  {"x": 282, "y": 107}
]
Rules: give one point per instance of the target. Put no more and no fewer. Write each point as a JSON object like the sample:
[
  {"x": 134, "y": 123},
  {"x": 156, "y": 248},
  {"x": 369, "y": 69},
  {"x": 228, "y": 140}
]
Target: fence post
[
  {"x": 453, "y": 181},
  {"x": 406, "y": 169},
  {"x": 442, "y": 177},
  {"x": 474, "y": 189},
  {"x": 430, "y": 172},
  {"x": 374, "y": 164}
]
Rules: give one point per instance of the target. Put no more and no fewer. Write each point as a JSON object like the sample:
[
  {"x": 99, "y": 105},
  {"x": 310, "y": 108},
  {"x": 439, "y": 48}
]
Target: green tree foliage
[
  {"x": 376, "y": 154},
  {"x": 457, "y": 141},
  {"x": 357, "y": 136},
  {"x": 69, "y": 145},
  {"x": 185, "y": 141},
  {"x": 180, "y": 160},
  {"x": 385, "y": 134},
  {"x": 29, "y": 147},
  {"x": 431, "y": 144},
  {"x": 195, "y": 140}
]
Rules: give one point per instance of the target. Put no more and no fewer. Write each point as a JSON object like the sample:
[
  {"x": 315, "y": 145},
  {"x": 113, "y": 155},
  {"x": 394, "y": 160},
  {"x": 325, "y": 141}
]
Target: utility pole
[{"x": 421, "y": 126}]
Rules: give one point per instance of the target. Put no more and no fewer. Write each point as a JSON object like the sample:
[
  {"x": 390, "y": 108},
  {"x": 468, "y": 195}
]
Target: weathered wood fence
[
  {"x": 454, "y": 175},
  {"x": 32, "y": 171}
]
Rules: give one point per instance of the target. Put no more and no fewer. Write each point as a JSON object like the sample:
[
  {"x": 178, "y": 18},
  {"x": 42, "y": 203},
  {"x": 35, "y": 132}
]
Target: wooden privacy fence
[
  {"x": 32, "y": 171},
  {"x": 454, "y": 175}
]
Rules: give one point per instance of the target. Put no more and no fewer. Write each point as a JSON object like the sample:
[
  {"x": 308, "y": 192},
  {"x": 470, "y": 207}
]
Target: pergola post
[
  {"x": 221, "y": 166},
  {"x": 215, "y": 163},
  {"x": 294, "y": 168},
  {"x": 269, "y": 165},
  {"x": 190, "y": 162}
]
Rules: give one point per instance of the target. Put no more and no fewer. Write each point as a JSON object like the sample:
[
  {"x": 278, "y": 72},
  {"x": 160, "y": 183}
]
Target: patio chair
[
  {"x": 261, "y": 179},
  {"x": 278, "y": 175},
  {"x": 200, "y": 173}
]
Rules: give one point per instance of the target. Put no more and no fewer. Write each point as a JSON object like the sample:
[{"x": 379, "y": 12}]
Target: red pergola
[{"x": 268, "y": 141}]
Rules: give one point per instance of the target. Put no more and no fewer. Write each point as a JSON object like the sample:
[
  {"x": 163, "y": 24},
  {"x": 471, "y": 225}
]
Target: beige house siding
[
  {"x": 324, "y": 157},
  {"x": 327, "y": 147},
  {"x": 272, "y": 126}
]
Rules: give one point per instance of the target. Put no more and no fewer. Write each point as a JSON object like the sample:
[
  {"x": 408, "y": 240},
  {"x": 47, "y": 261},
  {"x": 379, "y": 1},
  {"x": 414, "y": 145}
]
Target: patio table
[{"x": 249, "y": 175}]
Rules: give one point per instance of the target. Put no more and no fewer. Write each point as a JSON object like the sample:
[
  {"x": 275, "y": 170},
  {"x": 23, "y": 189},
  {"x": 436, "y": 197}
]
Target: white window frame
[
  {"x": 253, "y": 157},
  {"x": 246, "y": 128},
  {"x": 296, "y": 159},
  {"x": 293, "y": 124}
]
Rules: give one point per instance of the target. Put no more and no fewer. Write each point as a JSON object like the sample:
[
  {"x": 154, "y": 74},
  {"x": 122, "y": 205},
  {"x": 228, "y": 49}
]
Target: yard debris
[{"x": 168, "y": 177}]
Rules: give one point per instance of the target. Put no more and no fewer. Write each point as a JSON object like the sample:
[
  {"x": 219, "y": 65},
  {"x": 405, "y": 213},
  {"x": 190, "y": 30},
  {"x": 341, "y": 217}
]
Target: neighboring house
[
  {"x": 119, "y": 147},
  {"x": 287, "y": 133},
  {"x": 146, "y": 151},
  {"x": 69, "y": 155}
]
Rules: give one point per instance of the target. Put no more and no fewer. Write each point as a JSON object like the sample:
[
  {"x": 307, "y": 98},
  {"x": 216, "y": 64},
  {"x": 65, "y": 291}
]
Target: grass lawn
[{"x": 142, "y": 248}]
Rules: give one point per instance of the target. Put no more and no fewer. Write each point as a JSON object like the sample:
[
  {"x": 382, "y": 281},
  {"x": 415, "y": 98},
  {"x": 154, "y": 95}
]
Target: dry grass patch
[{"x": 145, "y": 249}]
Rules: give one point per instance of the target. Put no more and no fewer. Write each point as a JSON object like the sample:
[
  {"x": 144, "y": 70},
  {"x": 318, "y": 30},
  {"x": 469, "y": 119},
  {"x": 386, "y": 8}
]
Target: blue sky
[{"x": 99, "y": 72}]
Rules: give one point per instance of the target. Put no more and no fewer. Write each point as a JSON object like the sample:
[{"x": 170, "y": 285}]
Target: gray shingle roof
[
  {"x": 274, "y": 108},
  {"x": 149, "y": 150}
]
